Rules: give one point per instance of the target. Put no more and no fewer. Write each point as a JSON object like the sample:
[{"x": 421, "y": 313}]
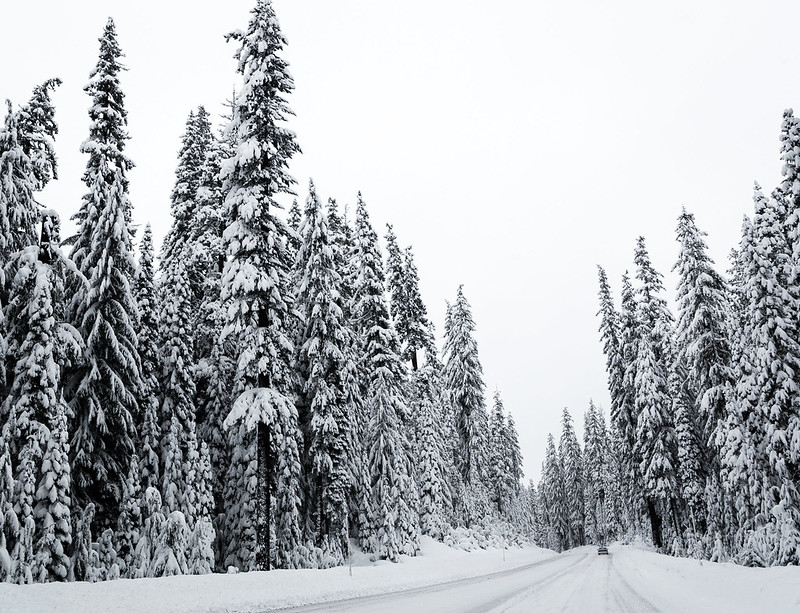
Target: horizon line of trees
[{"x": 263, "y": 391}]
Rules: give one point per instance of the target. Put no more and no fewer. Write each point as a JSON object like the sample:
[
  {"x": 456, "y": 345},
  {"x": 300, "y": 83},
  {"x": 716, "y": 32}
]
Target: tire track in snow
[{"x": 449, "y": 595}]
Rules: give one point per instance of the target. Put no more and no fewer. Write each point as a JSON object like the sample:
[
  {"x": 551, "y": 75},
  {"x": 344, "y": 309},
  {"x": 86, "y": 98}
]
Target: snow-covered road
[
  {"x": 630, "y": 579},
  {"x": 575, "y": 581}
]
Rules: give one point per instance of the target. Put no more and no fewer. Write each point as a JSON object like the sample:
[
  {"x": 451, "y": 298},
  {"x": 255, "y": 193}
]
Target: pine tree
[
  {"x": 702, "y": 329},
  {"x": 38, "y": 128},
  {"x": 130, "y": 523},
  {"x": 22, "y": 556},
  {"x": 572, "y": 462},
  {"x": 195, "y": 145},
  {"x": 148, "y": 426},
  {"x": 395, "y": 521},
  {"x": 515, "y": 469},
  {"x": 53, "y": 502},
  {"x": 256, "y": 274},
  {"x": 102, "y": 386},
  {"x": 553, "y": 499},
  {"x": 463, "y": 376},
  {"x": 704, "y": 359},
  {"x": 419, "y": 335},
  {"x": 758, "y": 454},
  {"x": 19, "y": 212},
  {"x": 655, "y": 429},
  {"x": 322, "y": 363},
  {"x": 177, "y": 385},
  {"x": 432, "y": 467},
  {"x": 499, "y": 459}
]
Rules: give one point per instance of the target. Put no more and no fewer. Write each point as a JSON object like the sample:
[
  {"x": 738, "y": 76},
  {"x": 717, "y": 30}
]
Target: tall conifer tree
[
  {"x": 103, "y": 386},
  {"x": 255, "y": 282}
]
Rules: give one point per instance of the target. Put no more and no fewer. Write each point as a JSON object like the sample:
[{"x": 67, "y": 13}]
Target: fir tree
[
  {"x": 463, "y": 376},
  {"x": 102, "y": 386},
  {"x": 53, "y": 502},
  {"x": 196, "y": 142},
  {"x": 38, "y": 129},
  {"x": 655, "y": 429},
  {"x": 553, "y": 499},
  {"x": 432, "y": 467},
  {"x": 19, "y": 212},
  {"x": 499, "y": 459},
  {"x": 702, "y": 330},
  {"x": 767, "y": 395},
  {"x": 395, "y": 521},
  {"x": 572, "y": 462},
  {"x": 148, "y": 426},
  {"x": 255, "y": 278},
  {"x": 322, "y": 365},
  {"x": 129, "y": 523}
]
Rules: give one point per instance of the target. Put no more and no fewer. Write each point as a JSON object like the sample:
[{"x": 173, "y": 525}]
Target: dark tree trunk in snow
[{"x": 655, "y": 523}]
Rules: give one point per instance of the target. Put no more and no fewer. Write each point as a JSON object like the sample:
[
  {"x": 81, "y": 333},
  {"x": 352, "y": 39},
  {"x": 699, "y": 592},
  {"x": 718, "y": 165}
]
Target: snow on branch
[{"x": 259, "y": 405}]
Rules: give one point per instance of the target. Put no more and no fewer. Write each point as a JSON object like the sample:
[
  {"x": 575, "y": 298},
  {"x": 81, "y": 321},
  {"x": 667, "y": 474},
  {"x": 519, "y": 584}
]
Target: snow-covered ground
[
  {"x": 629, "y": 579},
  {"x": 247, "y": 592}
]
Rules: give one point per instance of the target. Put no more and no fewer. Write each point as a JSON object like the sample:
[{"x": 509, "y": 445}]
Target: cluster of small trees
[
  {"x": 704, "y": 444},
  {"x": 265, "y": 391}
]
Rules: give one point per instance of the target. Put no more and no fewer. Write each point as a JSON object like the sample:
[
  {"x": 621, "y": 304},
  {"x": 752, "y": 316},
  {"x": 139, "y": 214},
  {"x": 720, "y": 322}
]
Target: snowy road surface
[
  {"x": 578, "y": 581},
  {"x": 630, "y": 579}
]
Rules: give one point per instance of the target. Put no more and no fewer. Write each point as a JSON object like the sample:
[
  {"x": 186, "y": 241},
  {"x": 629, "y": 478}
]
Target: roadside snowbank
[
  {"x": 247, "y": 592},
  {"x": 680, "y": 584}
]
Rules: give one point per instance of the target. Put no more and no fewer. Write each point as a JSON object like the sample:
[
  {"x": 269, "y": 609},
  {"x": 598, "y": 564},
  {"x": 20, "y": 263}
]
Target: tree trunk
[{"x": 655, "y": 523}]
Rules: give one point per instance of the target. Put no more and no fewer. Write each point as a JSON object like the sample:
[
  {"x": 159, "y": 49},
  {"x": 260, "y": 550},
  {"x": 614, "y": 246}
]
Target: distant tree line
[
  {"x": 702, "y": 456},
  {"x": 259, "y": 393}
]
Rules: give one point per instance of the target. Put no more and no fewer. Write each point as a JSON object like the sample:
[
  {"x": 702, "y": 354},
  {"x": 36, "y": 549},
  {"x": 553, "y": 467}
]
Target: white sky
[{"x": 514, "y": 144}]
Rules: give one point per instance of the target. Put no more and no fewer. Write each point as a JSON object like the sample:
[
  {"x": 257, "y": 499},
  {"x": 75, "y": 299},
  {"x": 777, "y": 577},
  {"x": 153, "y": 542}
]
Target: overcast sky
[{"x": 515, "y": 145}]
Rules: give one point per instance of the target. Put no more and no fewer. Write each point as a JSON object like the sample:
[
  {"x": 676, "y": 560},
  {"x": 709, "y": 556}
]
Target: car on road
[{"x": 602, "y": 550}]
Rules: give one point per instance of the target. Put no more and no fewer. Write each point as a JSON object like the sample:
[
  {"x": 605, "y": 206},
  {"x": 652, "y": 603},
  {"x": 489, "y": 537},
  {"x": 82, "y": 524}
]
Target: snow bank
[
  {"x": 681, "y": 584},
  {"x": 264, "y": 590}
]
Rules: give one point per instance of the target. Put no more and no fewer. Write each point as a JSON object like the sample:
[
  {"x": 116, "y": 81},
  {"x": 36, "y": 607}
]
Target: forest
[
  {"x": 258, "y": 394},
  {"x": 267, "y": 390},
  {"x": 703, "y": 452}
]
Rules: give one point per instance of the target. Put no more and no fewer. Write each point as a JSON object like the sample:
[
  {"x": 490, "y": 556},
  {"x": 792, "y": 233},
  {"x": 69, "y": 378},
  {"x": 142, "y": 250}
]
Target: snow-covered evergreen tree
[
  {"x": 760, "y": 468},
  {"x": 130, "y": 522},
  {"x": 570, "y": 453},
  {"x": 169, "y": 557},
  {"x": 463, "y": 376},
  {"x": 655, "y": 428},
  {"x": 500, "y": 461},
  {"x": 102, "y": 387},
  {"x": 19, "y": 212},
  {"x": 53, "y": 501},
  {"x": 394, "y": 494},
  {"x": 322, "y": 357},
  {"x": 195, "y": 144},
  {"x": 38, "y": 128},
  {"x": 255, "y": 280},
  {"x": 431, "y": 450},
  {"x": 148, "y": 426},
  {"x": 555, "y": 516},
  {"x": 702, "y": 328}
]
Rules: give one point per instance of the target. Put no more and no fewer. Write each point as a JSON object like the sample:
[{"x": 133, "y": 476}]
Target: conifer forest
[{"x": 266, "y": 391}]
